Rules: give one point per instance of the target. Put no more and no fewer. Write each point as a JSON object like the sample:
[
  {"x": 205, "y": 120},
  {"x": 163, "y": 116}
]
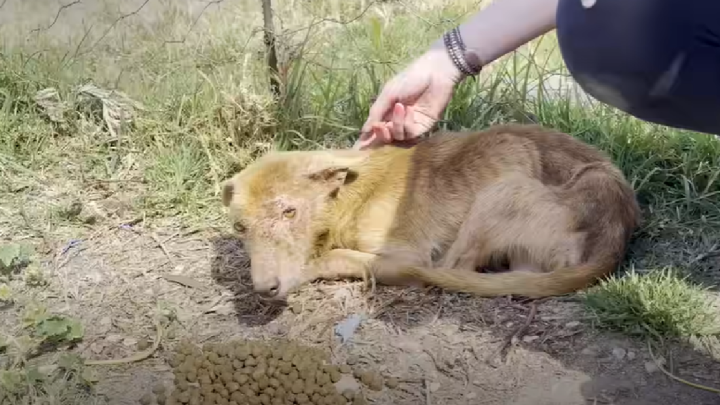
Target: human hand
[{"x": 412, "y": 101}]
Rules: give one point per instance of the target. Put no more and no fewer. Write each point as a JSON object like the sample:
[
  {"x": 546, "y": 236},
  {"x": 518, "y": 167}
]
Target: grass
[
  {"x": 659, "y": 304},
  {"x": 202, "y": 110}
]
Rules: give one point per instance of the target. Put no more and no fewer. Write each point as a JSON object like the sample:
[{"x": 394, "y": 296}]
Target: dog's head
[{"x": 279, "y": 207}]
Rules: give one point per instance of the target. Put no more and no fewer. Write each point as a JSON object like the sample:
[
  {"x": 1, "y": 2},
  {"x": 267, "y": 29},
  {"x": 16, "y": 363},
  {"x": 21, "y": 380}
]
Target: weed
[
  {"x": 659, "y": 304},
  {"x": 22, "y": 377},
  {"x": 13, "y": 257}
]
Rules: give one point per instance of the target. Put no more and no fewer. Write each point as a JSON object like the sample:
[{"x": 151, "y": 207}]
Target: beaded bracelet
[{"x": 467, "y": 62}]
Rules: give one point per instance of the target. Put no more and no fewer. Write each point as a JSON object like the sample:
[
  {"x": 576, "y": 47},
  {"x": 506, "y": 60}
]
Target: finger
[
  {"x": 376, "y": 137},
  {"x": 380, "y": 108},
  {"x": 383, "y": 132},
  {"x": 364, "y": 140},
  {"x": 398, "y": 122}
]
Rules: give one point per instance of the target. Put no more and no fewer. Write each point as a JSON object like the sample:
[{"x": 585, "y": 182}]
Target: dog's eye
[
  {"x": 289, "y": 213},
  {"x": 240, "y": 228}
]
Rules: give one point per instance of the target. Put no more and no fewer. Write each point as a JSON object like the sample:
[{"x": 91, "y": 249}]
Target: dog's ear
[
  {"x": 332, "y": 177},
  {"x": 228, "y": 189},
  {"x": 334, "y": 170}
]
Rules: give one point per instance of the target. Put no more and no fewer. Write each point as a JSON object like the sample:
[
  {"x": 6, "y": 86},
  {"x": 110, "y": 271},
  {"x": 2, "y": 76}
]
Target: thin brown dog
[{"x": 555, "y": 209}]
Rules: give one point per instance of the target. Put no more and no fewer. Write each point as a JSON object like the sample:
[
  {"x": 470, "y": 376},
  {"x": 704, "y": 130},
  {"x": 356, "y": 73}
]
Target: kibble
[{"x": 260, "y": 373}]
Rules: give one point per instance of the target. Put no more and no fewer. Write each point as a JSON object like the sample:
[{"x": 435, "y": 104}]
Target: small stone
[
  {"x": 591, "y": 350},
  {"x": 652, "y": 367},
  {"x": 104, "y": 325},
  {"x": 143, "y": 344},
  {"x": 434, "y": 386},
  {"x": 470, "y": 395},
  {"x": 631, "y": 356},
  {"x": 619, "y": 353},
  {"x": 573, "y": 324},
  {"x": 392, "y": 382},
  {"x": 130, "y": 341},
  {"x": 296, "y": 308},
  {"x": 114, "y": 338},
  {"x": 530, "y": 338}
]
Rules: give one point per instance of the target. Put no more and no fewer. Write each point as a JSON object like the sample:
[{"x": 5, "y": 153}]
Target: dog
[{"x": 551, "y": 209}]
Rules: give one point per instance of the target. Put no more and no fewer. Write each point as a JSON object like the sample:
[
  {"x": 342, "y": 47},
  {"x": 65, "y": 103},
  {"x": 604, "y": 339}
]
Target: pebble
[
  {"x": 434, "y": 386},
  {"x": 470, "y": 395},
  {"x": 590, "y": 351},
  {"x": 651, "y": 367},
  {"x": 129, "y": 341},
  {"x": 619, "y": 353},
  {"x": 104, "y": 325},
  {"x": 143, "y": 344},
  {"x": 530, "y": 338},
  {"x": 114, "y": 338},
  {"x": 631, "y": 355}
]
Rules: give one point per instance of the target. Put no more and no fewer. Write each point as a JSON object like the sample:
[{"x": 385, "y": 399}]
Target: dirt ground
[{"x": 443, "y": 347}]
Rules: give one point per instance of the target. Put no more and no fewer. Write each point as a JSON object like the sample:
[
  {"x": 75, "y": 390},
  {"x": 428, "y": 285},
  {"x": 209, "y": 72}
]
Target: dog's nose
[{"x": 269, "y": 289}]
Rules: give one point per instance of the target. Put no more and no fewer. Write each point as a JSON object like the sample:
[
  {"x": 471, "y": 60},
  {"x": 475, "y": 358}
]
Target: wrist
[
  {"x": 442, "y": 62},
  {"x": 459, "y": 61}
]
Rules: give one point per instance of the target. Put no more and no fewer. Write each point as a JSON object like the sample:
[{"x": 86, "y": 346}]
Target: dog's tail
[{"x": 518, "y": 283}]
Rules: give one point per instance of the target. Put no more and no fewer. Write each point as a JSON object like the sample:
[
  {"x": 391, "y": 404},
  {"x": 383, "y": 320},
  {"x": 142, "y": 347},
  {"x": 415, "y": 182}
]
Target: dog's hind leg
[{"x": 521, "y": 218}]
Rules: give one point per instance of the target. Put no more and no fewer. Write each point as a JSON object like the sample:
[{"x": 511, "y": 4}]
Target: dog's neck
[{"x": 371, "y": 174}]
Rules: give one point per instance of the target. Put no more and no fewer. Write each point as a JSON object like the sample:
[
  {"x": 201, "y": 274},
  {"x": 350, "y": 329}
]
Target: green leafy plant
[
  {"x": 6, "y": 294},
  {"x": 52, "y": 328},
  {"x": 14, "y": 256}
]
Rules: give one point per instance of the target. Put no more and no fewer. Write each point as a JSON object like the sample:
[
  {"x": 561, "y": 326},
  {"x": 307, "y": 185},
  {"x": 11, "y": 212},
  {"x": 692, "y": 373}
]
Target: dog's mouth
[{"x": 277, "y": 300}]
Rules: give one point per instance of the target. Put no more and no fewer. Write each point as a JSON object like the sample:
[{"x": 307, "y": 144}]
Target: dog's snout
[{"x": 269, "y": 288}]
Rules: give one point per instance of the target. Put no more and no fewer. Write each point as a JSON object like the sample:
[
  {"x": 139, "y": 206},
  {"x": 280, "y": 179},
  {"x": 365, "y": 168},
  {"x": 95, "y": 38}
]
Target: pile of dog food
[{"x": 277, "y": 372}]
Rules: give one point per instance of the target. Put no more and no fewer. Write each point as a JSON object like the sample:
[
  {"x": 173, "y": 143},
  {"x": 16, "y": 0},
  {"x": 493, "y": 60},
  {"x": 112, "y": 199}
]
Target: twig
[
  {"x": 427, "y": 392},
  {"x": 714, "y": 251},
  {"x": 57, "y": 15},
  {"x": 195, "y": 21},
  {"x": 676, "y": 378},
  {"x": 110, "y": 28},
  {"x": 135, "y": 357},
  {"x": 517, "y": 333},
  {"x": 161, "y": 245}
]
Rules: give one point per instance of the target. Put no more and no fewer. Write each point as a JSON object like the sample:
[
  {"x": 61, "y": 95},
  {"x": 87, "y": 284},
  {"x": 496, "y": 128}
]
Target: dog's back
[{"x": 515, "y": 183}]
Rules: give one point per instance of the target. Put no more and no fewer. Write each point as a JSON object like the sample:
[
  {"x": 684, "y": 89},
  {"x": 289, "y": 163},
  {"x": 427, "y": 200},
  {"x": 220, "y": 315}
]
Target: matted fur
[{"x": 555, "y": 209}]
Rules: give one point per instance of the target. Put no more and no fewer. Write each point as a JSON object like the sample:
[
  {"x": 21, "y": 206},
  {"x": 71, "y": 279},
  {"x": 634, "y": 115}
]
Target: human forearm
[{"x": 505, "y": 25}]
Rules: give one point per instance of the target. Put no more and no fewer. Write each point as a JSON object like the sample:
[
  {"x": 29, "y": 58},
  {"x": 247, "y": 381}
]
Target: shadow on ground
[
  {"x": 229, "y": 268},
  {"x": 695, "y": 252}
]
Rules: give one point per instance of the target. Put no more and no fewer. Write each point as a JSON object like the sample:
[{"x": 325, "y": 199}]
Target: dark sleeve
[{"x": 658, "y": 60}]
